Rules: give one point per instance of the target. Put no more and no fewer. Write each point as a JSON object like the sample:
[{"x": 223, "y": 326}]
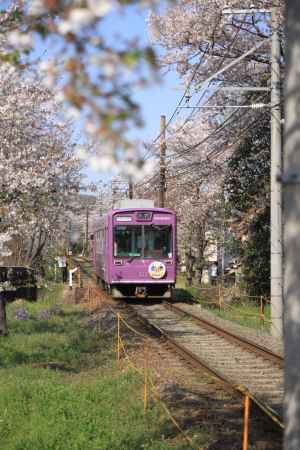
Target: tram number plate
[{"x": 142, "y": 274}]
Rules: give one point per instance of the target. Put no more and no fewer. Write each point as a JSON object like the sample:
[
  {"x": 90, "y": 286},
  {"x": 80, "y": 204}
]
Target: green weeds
[
  {"x": 244, "y": 312},
  {"x": 61, "y": 389}
]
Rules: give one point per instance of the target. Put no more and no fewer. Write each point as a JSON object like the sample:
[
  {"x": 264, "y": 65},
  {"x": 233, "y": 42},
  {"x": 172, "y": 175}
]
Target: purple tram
[{"x": 134, "y": 252}]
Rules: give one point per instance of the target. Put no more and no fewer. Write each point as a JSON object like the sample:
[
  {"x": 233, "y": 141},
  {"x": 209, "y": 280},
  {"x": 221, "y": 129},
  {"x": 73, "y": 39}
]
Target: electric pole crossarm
[
  {"x": 245, "y": 88},
  {"x": 232, "y": 11}
]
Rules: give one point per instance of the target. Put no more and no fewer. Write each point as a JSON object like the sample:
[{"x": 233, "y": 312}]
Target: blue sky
[{"x": 159, "y": 98}]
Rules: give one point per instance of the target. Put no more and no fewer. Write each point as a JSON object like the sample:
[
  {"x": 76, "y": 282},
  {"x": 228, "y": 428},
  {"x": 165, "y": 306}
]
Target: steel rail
[
  {"x": 234, "y": 338},
  {"x": 199, "y": 363}
]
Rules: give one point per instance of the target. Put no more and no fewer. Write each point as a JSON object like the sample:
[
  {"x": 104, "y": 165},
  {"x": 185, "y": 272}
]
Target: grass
[
  {"x": 245, "y": 312},
  {"x": 61, "y": 389}
]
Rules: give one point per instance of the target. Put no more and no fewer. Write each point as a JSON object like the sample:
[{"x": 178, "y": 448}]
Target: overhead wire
[
  {"x": 188, "y": 87},
  {"x": 210, "y": 82},
  {"x": 217, "y": 130},
  {"x": 213, "y": 154},
  {"x": 180, "y": 101},
  {"x": 221, "y": 126},
  {"x": 213, "y": 133}
]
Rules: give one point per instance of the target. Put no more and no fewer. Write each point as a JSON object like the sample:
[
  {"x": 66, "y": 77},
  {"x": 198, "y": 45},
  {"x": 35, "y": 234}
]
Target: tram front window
[
  {"x": 127, "y": 241},
  {"x": 158, "y": 241}
]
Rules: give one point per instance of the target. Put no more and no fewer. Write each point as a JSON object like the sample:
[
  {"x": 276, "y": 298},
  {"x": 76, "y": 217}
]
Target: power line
[
  {"x": 188, "y": 87},
  {"x": 215, "y": 131},
  {"x": 181, "y": 99},
  {"x": 213, "y": 154},
  {"x": 209, "y": 81},
  {"x": 218, "y": 67}
]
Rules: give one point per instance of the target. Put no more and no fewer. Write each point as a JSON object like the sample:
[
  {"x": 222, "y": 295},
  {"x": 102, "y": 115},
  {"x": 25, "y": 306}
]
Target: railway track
[{"x": 237, "y": 362}]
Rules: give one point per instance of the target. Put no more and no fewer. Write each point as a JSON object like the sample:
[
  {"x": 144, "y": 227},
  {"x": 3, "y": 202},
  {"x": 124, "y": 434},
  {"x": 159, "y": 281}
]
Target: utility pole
[
  {"x": 87, "y": 230},
  {"x": 276, "y": 171},
  {"x": 114, "y": 192},
  {"x": 130, "y": 189},
  {"x": 276, "y": 193},
  {"x": 162, "y": 162},
  {"x": 291, "y": 183},
  {"x": 70, "y": 236}
]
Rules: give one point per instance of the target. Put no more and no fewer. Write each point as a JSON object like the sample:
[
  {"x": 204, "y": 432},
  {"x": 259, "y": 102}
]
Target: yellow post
[
  {"x": 246, "y": 422},
  {"x": 89, "y": 296},
  {"x": 220, "y": 296},
  {"x": 118, "y": 337},
  {"x": 262, "y": 311},
  {"x": 146, "y": 381}
]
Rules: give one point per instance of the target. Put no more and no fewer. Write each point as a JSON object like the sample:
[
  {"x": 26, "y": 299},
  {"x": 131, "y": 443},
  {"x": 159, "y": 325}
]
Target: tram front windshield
[{"x": 147, "y": 241}]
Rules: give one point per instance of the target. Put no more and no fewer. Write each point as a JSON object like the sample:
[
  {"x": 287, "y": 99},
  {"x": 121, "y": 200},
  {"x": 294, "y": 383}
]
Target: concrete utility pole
[
  {"x": 276, "y": 171},
  {"x": 162, "y": 162},
  {"x": 291, "y": 183},
  {"x": 87, "y": 230},
  {"x": 276, "y": 194},
  {"x": 276, "y": 167}
]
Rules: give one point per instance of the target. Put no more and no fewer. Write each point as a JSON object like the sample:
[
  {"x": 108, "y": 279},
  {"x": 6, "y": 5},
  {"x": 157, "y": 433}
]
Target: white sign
[
  {"x": 157, "y": 270},
  {"x": 123, "y": 219}
]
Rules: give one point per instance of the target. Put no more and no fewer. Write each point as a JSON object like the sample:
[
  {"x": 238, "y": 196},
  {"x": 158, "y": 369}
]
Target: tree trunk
[
  {"x": 201, "y": 244},
  {"x": 199, "y": 272},
  {"x": 3, "y": 321},
  {"x": 189, "y": 268}
]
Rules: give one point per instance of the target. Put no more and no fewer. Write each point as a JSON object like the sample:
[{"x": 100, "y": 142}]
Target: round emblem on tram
[{"x": 157, "y": 269}]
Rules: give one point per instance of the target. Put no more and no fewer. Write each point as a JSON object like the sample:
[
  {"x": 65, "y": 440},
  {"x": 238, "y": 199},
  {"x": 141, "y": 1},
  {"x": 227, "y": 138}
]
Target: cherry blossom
[
  {"x": 39, "y": 173},
  {"x": 95, "y": 79}
]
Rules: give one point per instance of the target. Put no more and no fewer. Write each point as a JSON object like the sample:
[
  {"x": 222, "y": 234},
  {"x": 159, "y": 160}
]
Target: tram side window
[
  {"x": 101, "y": 235},
  {"x": 99, "y": 241},
  {"x": 158, "y": 241},
  {"x": 127, "y": 240}
]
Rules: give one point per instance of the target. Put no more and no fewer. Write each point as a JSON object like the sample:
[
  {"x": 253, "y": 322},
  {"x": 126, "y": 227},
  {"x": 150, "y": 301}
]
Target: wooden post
[
  {"x": 79, "y": 277},
  {"x": 69, "y": 258},
  {"x": 130, "y": 189},
  {"x": 3, "y": 320},
  {"x": 246, "y": 422}
]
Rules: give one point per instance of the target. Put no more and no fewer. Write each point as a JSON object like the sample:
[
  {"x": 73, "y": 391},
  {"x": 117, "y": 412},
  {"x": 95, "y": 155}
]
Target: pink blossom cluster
[{"x": 39, "y": 174}]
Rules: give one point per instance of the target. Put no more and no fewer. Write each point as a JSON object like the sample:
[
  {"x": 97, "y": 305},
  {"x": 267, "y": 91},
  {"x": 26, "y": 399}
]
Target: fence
[
  {"x": 226, "y": 299},
  {"x": 150, "y": 389}
]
